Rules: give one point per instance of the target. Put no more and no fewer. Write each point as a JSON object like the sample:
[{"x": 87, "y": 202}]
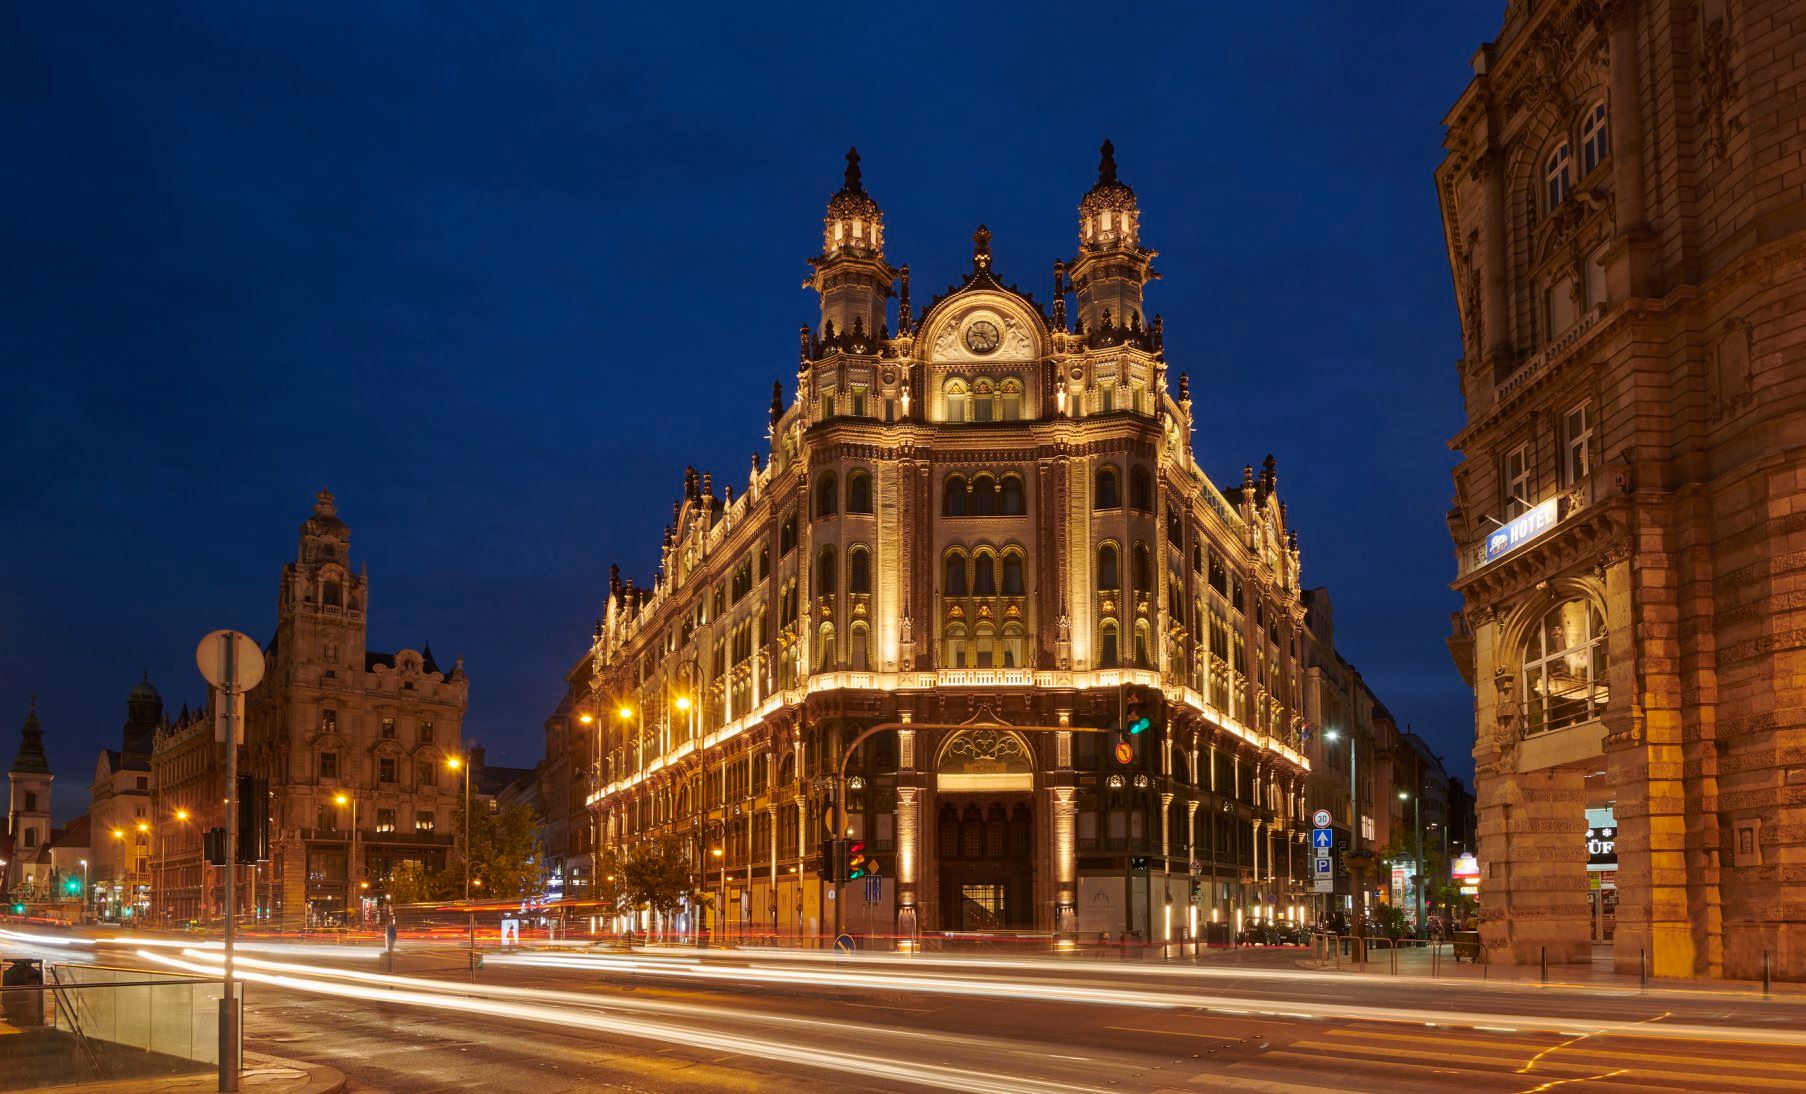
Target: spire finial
[
  {"x": 853, "y": 180},
  {"x": 981, "y": 248},
  {"x": 1106, "y": 164}
]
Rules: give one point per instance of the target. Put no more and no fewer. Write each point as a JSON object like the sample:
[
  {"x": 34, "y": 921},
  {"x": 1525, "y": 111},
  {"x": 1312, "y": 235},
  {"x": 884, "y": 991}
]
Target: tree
[
  {"x": 503, "y": 854},
  {"x": 409, "y": 883},
  {"x": 658, "y": 874}
]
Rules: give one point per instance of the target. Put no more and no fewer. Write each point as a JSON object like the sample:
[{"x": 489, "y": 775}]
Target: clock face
[{"x": 982, "y": 337}]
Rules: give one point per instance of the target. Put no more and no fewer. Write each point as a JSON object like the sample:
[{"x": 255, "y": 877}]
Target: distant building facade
[
  {"x": 28, "y": 868},
  {"x": 334, "y": 720},
  {"x": 978, "y": 536},
  {"x": 1624, "y": 202},
  {"x": 121, "y": 811}
]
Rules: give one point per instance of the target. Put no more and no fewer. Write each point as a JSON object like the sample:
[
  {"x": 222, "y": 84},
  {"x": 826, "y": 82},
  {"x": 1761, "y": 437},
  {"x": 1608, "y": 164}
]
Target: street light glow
[
  {"x": 586, "y": 718},
  {"x": 181, "y": 814},
  {"x": 341, "y": 799},
  {"x": 454, "y": 763},
  {"x": 683, "y": 702}
]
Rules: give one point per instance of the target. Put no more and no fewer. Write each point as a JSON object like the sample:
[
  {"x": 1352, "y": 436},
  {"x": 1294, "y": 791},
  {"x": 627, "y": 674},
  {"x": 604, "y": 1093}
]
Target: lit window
[
  {"x": 1565, "y": 668},
  {"x": 385, "y": 820},
  {"x": 423, "y": 820},
  {"x": 1555, "y": 175},
  {"x": 1577, "y": 440},
  {"x": 1517, "y": 481},
  {"x": 1595, "y": 140}
]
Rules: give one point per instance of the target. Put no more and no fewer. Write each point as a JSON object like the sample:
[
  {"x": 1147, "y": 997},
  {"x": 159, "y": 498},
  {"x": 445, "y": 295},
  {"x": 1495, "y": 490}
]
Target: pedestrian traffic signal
[
  {"x": 213, "y": 846},
  {"x": 825, "y": 860},
  {"x": 1137, "y": 718}
]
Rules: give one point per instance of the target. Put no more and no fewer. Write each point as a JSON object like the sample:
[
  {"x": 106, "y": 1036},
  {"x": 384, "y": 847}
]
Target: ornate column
[
  {"x": 1166, "y": 824},
  {"x": 1065, "y": 828}
]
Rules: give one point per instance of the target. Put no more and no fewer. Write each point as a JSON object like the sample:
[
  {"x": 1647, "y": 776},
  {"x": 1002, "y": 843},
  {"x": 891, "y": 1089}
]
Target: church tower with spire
[{"x": 29, "y": 779}]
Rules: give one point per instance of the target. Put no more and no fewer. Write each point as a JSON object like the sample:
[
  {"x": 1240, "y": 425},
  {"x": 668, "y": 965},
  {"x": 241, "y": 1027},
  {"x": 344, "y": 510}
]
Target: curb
[{"x": 321, "y": 1078}]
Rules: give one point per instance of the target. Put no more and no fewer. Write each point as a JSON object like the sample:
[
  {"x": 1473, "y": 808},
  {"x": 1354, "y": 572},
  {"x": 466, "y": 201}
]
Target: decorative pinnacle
[
  {"x": 853, "y": 183},
  {"x": 1106, "y": 164},
  {"x": 981, "y": 248}
]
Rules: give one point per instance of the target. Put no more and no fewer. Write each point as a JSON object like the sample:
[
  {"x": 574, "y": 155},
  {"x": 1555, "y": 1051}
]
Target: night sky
[{"x": 495, "y": 277}]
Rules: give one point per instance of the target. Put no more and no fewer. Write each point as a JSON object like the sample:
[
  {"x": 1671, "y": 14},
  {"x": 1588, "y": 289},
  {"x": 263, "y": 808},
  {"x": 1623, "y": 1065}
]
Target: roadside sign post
[{"x": 233, "y": 664}]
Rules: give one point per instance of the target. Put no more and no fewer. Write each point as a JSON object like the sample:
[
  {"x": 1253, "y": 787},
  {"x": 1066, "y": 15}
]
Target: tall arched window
[
  {"x": 1175, "y": 529},
  {"x": 1011, "y": 390},
  {"x": 1555, "y": 175},
  {"x": 1012, "y": 574},
  {"x": 984, "y": 401},
  {"x": 824, "y": 648},
  {"x": 1014, "y": 643},
  {"x": 1144, "y": 656},
  {"x": 1141, "y": 490},
  {"x": 953, "y": 581},
  {"x": 1595, "y": 141},
  {"x": 1107, "y": 655},
  {"x": 858, "y": 648},
  {"x": 1565, "y": 668},
  {"x": 984, "y": 496},
  {"x": 1109, "y": 575},
  {"x": 1109, "y": 488},
  {"x": 826, "y": 573},
  {"x": 984, "y": 643},
  {"x": 954, "y": 497},
  {"x": 956, "y": 396},
  {"x": 1141, "y": 568},
  {"x": 827, "y": 493},
  {"x": 859, "y": 570},
  {"x": 953, "y": 647},
  {"x": 984, "y": 574},
  {"x": 1014, "y": 504},
  {"x": 859, "y": 492}
]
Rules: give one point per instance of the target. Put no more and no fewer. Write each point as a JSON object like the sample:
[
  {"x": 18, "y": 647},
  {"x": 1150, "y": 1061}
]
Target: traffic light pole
[{"x": 229, "y": 1014}]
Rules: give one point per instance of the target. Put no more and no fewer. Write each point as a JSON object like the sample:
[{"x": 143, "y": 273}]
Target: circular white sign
[
  {"x": 230, "y": 656},
  {"x": 1321, "y": 818}
]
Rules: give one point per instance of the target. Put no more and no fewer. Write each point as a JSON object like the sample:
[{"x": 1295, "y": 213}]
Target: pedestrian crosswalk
[{"x": 1399, "y": 1058}]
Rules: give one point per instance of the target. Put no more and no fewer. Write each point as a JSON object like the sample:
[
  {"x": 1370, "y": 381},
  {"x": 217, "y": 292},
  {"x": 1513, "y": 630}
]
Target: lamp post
[
  {"x": 457, "y": 763},
  {"x": 1417, "y": 822},
  {"x": 143, "y": 831},
  {"x": 85, "y": 895},
  {"x": 698, "y": 836},
  {"x": 162, "y": 890},
  {"x": 351, "y": 870}
]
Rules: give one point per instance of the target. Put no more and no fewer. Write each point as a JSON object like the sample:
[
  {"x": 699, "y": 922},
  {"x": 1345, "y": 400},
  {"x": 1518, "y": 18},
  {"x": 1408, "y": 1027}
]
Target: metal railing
[{"x": 76, "y": 1025}]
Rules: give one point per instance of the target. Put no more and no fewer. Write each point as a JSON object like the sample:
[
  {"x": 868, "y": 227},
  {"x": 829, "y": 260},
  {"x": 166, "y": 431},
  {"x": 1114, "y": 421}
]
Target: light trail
[
  {"x": 439, "y": 995},
  {"x": 44, "y": 939}
]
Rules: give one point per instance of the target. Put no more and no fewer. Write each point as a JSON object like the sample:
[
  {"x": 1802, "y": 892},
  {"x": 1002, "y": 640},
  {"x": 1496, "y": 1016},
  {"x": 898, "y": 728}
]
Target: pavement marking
[
  {"x": 1610, "y": 1054},
  {"x": 1417, "y": 1055},
  {"x": 1170, "y": 1033}
]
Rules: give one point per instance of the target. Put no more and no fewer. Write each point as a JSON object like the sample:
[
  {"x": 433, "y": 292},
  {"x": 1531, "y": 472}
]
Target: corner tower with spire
[
  {"x": 1111, "y": 267},
  {"x": 851, "y": 276},
  {"x": 29, "y": 779}
]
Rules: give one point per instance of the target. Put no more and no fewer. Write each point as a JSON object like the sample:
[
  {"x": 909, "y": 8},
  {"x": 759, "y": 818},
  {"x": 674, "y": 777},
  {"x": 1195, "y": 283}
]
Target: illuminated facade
[
  {"x": 978, "y": 531},
  {"x": 1625, "y": 209}
]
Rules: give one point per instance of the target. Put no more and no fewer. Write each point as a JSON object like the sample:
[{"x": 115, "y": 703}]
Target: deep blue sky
[{"x": 496, "y": 276}]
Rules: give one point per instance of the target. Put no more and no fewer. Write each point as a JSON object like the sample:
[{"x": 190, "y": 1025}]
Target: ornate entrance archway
[{"x": 985, "y": 830}]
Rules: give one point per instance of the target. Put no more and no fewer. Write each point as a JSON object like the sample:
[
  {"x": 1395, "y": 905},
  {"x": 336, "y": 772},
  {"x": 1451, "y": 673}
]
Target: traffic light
[
  {"x": 72, "y": 885},
  {"x": 18, "y": 909},
  {"x": 827, "y": 860},
  {"x": 213, "y": 845},
  {"x": 253, "y": 820},
  {"x": 858, "y": 863},
  {"x": 1137, "y": 717}
]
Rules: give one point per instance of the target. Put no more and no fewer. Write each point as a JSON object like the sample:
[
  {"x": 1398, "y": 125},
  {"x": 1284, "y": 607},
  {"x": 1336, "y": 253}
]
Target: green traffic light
[{"x": 1139, "y": 725}]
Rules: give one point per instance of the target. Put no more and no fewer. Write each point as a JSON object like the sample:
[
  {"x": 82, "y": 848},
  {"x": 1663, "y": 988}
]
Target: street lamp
[
  {"x": 85, "y": 894},
  {"x": 1417, "y": 822},
  {"x": 456, "y": 763},
  {"x": 352, "y": 869}
]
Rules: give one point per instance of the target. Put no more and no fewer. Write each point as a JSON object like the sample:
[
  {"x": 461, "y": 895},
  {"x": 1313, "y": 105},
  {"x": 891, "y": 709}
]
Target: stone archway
[{"x": 984, "y": 816}]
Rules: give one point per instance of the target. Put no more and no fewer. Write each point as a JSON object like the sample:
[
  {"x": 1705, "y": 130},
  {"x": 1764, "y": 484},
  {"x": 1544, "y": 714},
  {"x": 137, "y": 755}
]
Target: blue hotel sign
[{"x": 1525, "y": 528}]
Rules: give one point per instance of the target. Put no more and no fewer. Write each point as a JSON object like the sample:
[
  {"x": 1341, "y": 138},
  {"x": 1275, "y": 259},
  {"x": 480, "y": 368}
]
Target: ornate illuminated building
[
  {"x": 981, "y": 527},
  {"x": 1624, "y": 201}
]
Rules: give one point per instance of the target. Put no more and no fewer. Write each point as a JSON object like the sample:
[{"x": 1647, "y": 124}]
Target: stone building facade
[
  {"x": 333, "y": 719},
  {"x": 986, "y": 536},
  {"x": 1624, "y": 201},
  {"x": 122, "y": 817},
  {"x": 28, "y": 829}
]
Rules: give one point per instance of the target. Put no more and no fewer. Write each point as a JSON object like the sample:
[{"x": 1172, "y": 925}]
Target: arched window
[
  {"x": 1565, "y": 668},
  {"x": 1014, "y": 504},
  {"x": 1107, "y": 655},
  {"x": 984, "y": 496},
  {"x": 826, "y": 494},
  {"x": 1175, "y": 529},
  {"x": 953, "y": 581},
  {"x": 1109, "y": 576},
  {"x": 826, "y": 573},
  {"x": 1109, "y": 489},
  {"x": 1141, "y": 569},
  {"x": 956, "y": 397},
  {"x": 984, "y": 401},
  {"x": 824, "y": 648},
  {"x": 1013, "y": 646},
  {"x": 1141, "y": 490},
  {"x": 954, "y": 496},
  {"x": 984, "y": 574},
  {"x": 985, "y": 646},
  {"x": 859, "y": 492},
  {"x": 1555, "y": 175},
  {"x": 1011, "y": 391},
  {"x": 1143, "y": 653},
  {"x": 1012, "y": 574},
  {"x": 1595, "y": 140},
  {"x": 859, "y": 570},
  {"x": 859, "y": 638},
  {"x": 787, "y": 535},
  {"x": 953, "y": 647}
]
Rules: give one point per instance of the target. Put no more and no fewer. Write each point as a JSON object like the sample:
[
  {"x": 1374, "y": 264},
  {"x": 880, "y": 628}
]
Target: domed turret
[
  {"x": 1108, "y": 215},
  {"x": 855, "y": 224}
]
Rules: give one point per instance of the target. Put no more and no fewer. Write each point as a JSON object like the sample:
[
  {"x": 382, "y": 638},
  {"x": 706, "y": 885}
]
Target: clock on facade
[{"x": 982, "y": 337}]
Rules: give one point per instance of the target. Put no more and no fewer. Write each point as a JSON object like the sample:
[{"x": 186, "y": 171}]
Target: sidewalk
[
  {"x": 264, "y": 1074},
  {"x": 1417, "y": 962}
]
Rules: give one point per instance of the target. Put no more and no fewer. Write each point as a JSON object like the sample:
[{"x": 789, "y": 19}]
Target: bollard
[
  {"x": 1643, "y": 967},
  {"x": 1765, "y": 983},
  {"x": 1395, "y": 957},
  {"x": 1545, "y": 964}
]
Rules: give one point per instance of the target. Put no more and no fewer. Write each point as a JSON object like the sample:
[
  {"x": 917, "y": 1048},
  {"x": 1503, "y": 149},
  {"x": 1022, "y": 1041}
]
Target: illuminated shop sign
[{"x": 1525, "y": 528}]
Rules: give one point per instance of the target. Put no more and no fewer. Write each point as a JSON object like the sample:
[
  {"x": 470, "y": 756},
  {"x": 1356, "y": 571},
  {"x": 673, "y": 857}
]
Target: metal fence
[{"x": 75, "y": 1025}]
